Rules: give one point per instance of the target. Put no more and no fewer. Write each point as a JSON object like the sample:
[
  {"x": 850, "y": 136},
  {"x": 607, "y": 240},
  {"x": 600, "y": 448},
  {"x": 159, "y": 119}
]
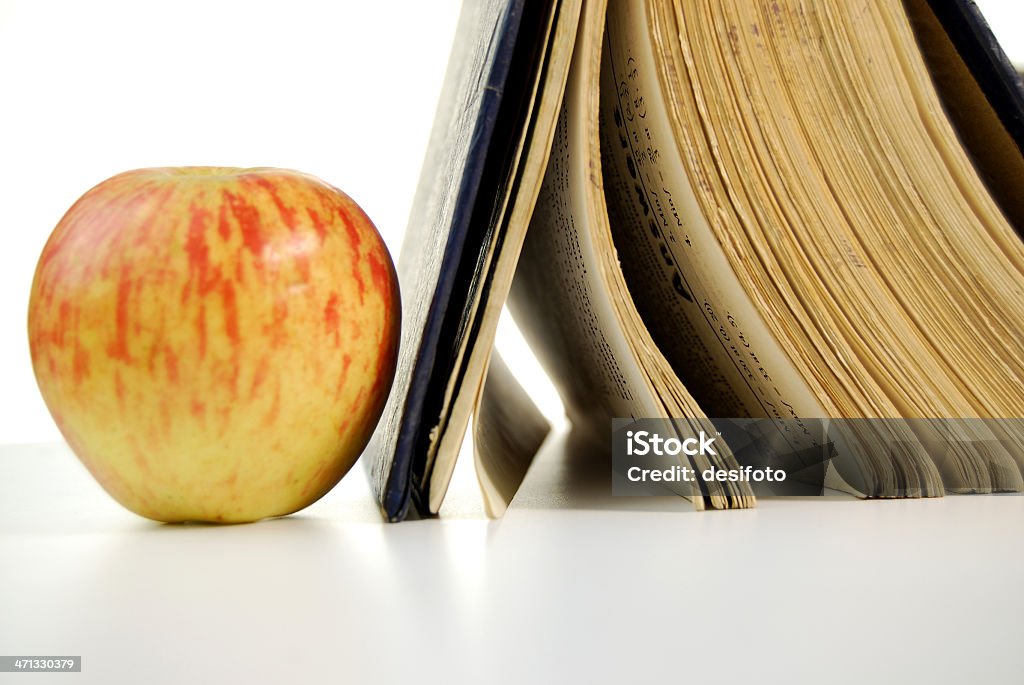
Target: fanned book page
[
  {"x": 508, "y": 430},
  {"x": 571, "y": 302}
]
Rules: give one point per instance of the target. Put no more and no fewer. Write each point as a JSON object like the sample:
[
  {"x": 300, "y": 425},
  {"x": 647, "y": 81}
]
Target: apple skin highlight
[{"x": 215, "y": 344}]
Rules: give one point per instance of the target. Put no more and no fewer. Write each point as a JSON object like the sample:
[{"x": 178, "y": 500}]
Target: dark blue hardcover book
[
  {"x": 479, "y": 118},
  {"x": 981, "y": 91}
]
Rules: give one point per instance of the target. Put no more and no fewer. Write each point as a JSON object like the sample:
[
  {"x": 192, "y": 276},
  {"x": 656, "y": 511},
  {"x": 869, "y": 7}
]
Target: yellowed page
[
  {"x": 743, "y": 337},
  {"x": 508, "y": 430},
  {"x": 697, "y": 302},
  {"x": 569, "y": 298}
]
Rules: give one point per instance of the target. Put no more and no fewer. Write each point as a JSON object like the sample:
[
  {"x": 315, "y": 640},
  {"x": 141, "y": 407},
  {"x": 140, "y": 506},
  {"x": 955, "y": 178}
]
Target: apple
[{"x": 215, "y": 344}]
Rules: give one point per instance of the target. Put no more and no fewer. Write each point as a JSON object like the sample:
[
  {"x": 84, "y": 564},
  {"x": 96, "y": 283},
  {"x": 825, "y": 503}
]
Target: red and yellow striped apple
[{"x": 215, "y": 344}]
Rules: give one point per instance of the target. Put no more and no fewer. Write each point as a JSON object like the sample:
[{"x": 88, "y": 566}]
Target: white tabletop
[{"x": 572, "y": 585}]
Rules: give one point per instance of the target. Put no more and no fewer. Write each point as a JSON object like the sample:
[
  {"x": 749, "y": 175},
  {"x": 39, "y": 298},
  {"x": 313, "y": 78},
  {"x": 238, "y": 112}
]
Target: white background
[{"x": 343, "y": 90}]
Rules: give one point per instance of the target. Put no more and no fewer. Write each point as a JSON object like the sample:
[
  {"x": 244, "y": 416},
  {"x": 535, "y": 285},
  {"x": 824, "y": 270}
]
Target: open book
[{"x": 802, "y": 215}]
